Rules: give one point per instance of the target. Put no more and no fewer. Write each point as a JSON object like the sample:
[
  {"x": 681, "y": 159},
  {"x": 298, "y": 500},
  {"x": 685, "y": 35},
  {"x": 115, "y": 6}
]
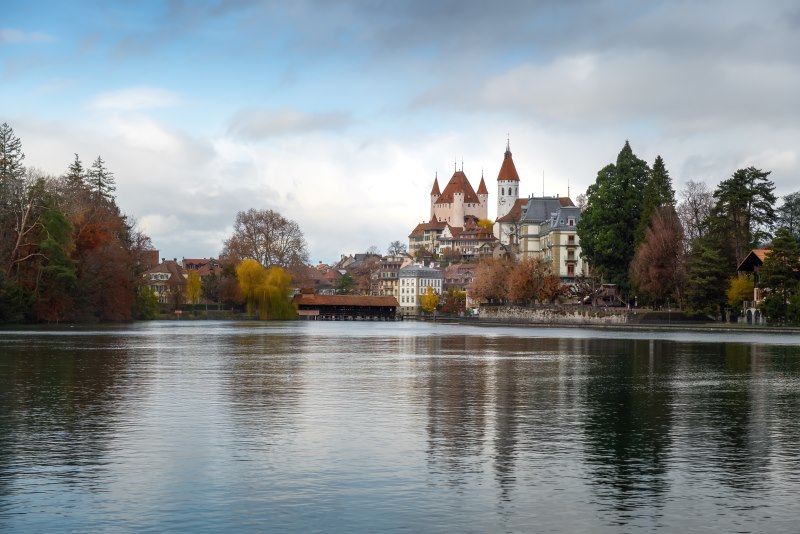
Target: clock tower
[{"x": 507, "y": 184}]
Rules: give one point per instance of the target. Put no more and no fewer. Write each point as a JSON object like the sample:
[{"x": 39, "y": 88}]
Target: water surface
[{"x": 397, "y": 426}]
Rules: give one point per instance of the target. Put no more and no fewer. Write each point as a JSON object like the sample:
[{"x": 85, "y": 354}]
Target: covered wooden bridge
[{"x": 315, "y": 307}]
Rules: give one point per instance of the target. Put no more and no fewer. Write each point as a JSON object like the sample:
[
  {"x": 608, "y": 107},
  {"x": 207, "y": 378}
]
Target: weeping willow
[{"x": 266, "y": 291}]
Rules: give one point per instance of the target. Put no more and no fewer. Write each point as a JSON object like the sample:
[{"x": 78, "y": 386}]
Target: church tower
[
  {"x": 435, "y": 194},
  {"x": 507, "y": 184}
]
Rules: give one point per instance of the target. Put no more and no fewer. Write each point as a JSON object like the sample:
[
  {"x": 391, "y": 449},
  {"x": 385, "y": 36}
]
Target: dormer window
[{"x": 571, "y": 222}]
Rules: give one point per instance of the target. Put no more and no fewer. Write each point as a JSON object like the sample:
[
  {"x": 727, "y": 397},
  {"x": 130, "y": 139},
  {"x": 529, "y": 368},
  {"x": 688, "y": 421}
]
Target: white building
[{"x": 414, "y": 282}]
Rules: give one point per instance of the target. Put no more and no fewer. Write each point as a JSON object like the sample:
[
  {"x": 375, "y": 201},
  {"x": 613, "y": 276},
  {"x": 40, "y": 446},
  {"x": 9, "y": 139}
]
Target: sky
[{"x": 338, "y": 115}]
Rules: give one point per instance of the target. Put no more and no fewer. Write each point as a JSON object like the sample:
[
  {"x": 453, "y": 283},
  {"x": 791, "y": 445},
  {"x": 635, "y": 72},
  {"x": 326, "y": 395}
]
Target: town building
[
  {"x": 548, "y": 229},
  {"x": 386, "y": 276},
  {"x": 414, "y": 282},
  {"x": 167, "y": 281}
]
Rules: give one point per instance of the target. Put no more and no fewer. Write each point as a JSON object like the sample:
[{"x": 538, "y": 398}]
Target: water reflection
[{"x": 375, "y": 427}]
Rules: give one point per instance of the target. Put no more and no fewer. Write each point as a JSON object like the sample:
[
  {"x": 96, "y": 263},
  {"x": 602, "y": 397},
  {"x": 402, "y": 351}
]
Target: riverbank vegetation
[{"x": 67, "y": 252}]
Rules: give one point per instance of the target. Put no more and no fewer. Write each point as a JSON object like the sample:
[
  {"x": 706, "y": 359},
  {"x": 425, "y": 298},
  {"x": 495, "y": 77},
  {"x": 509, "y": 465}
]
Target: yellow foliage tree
[
  {"x": 251, "y": 276},
  {"x": 740, "y": 288},
  {"x": 486, "y": 224},
  {"x": 275, "y": 303},
  {"x": 193, "y": 287},
  {"x": 266, "y": 291},
  {"x": 429, "y": 300}
]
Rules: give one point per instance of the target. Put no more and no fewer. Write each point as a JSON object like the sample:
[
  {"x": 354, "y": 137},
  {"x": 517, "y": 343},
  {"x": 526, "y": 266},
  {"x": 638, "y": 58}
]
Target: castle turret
[
  {"x": 483, "y": 196},
  {"x": 507, "y": 184},
  {"x": 435, "y": 194}
]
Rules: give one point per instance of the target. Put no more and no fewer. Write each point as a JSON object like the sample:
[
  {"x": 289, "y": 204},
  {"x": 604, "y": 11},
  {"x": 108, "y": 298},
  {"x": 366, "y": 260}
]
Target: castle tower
[
  {"x": 435, "y": 193},
  {"x": 507, "y": 184},
  {"x": 483, "y": 195}
]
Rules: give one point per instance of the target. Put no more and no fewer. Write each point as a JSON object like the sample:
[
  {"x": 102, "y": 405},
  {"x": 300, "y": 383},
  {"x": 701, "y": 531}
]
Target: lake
[{"x": 374, "y": 427}]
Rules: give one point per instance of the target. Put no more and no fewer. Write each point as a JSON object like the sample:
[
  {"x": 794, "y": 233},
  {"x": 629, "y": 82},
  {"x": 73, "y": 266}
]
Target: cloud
[
  {"x": 11, "y": 35},
  {"x": 135, "y": 98},
  {"x": 257, "y": 124}
]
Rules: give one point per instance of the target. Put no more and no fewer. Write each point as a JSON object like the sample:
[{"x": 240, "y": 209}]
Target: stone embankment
[{"x": 561, "y": 315}]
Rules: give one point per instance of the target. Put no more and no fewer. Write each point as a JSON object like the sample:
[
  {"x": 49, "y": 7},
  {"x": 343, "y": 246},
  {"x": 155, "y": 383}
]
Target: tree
[
  {"x": 744, "y": 211},
  {"x": 658, "y": 268},
  {"x": 490, "y": 280},
  {"x": 486, "y": 224},
  {"x": 346, "y": 284},
  {"x": 268, "y": 238},
  {"x": 101, "y": 180},
  {"x": 657, "y": 192},
  {"x": 57, "y": 275},
  {"x": 11, "y": 155},
  {"x": 251, "y": 276},
  {"x": 780, "y": 273},
  {"x": 76, "y": 175},
  {"x": 740, "y": 290},
  {"x": 789, "y": 214},
  {"x": 396, "y": 248},
  {"x": 275, "y": 303},
  {"x": 429, "y": 300},
  {"x": 193, "y": 287},
  {"x": 373, "y": 250},
  {"x": 608, "y": 223},
  {"x": 455, "y": 301},
  {"x": 706, "y": 277},
  {"x": 693, "y": 210},
  {"x": 526, "y": 280}
]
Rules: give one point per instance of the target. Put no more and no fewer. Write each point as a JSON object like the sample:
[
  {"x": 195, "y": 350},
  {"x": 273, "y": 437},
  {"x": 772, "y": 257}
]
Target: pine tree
[
  {"x": 744, "y": 211},
  {"x": 789, "y": 214},
  {"x": 657, "y": 193},
  {"x": 101, "y": 180},
  {"x": 76, "y": 174},
  {"x": 707, "y": 277},
  {"x": 780, "y": 273},
  {"x": 11, "y": 155},
  {"x": 609, "y": 221}
]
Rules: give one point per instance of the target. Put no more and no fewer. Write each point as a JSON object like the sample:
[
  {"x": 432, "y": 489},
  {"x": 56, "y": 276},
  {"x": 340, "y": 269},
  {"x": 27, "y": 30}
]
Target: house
[
  {"x": 752, "y": 263},
  {"x": 167, "y": 281},
  {"x": 548, "y": 229},
  {"x": 386, "y": 276},
  {"x": 414, "y": 282}
]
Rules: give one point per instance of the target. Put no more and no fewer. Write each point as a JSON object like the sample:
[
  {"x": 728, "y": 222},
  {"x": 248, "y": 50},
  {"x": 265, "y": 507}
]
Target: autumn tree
[
  {"x": 608, "y": 222},
  {"x": 486, "y": 224},
  {"x": 268, "y": 238},
  {"x": 429, "y": 300},
  {"x": 454, "y": 301},
  {"x": 275, "y": 303},
  {"x": 193, "y": 288},
  {"x": 526, "y": 280},
  {"x": 490, "y": 280},
  {"x": 740, "y": 290},
  {"x": 251, "y": 276},
  {"x": 658, "y": 268}
]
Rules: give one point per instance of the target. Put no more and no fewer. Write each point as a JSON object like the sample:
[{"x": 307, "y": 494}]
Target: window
[
  {"x": 502, "y": 191},
  {"x": 571, "y": 222}
]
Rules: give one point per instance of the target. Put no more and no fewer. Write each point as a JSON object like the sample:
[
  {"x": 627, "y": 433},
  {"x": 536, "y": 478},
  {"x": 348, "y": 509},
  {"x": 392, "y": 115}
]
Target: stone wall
[{"x": 559, "y": 315}]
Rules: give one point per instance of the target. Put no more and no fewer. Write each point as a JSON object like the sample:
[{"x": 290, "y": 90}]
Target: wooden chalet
[{"x": 314, "y": 307}]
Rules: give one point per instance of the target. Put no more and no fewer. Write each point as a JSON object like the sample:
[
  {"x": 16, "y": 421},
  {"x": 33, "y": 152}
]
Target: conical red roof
[
  {"x": 507, "y": 170},
  {"x": 435, "y": 190},
  {"x": 482, "y": 188},
  {"x": 458, "y": 184}
]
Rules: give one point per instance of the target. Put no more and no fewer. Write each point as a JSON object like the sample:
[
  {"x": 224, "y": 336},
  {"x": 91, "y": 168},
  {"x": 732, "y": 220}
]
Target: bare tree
[
  {"x": 267, "y": 237},
  {"x": 696, "y": 201},
  {"x": 396, "y": 248}
]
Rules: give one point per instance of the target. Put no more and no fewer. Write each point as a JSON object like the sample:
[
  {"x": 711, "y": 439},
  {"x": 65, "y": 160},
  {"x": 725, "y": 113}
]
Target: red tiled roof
[
  {"x": 306, "y": 299},
  {"x": 515, "y": 212},
  {"x": 435, "y": 190},
  {"x": 482, "y": 188},
  {"x": 458, "y": 184},
  {"x": 432, "y": 225},
  {"x": 565, "y": 202},
  {"x": 507, "y": 170}
]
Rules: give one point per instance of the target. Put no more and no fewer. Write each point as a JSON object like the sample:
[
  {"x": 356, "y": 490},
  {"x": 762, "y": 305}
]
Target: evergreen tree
[
  {"x": 76, "y": 174},
  {"x": 101, "y": 180},
  {"x": 11, "y": 155},
  {"x": 611, "y": 216},
  {"x": 789, "y": 214},
  {"x": 657, "y": 193},
  {"x": 780, "y": 273},
  {"x": 707, "y": 278},
  {"x": 744, "y": 211}
]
